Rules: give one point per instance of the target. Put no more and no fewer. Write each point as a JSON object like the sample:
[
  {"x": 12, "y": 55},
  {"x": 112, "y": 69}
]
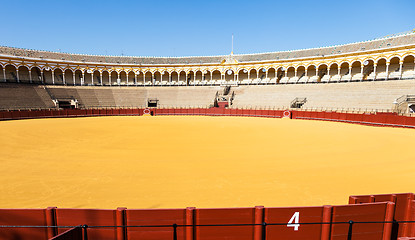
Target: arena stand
[{"x": 362, "y": 83}]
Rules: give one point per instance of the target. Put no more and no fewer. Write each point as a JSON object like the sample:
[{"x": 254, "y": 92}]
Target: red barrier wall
[
  {"x": 151, "y": 217},
  {"x": 28, "y": 217},
  {"x": 302, "y": 214},
  {"x": 224, "y": 216},
  {"x": 71, "y": 234},
  {"x": 378, "y": 119},
  {"x": 404, "y": 209},
  {"x": 372, "y": 212},
  {"x": 92, "y": 217}
]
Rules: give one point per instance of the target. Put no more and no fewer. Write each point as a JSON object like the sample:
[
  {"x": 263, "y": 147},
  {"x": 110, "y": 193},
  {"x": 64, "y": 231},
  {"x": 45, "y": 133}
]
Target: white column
[
  {"x": 316, "y": 72},
  {"x": 4, "y": 74},
  {"x": 42, "y": 77},
  {"x": 286, "y": 72},
  {"x": 30, "y": 75},
  {"x": 100, "y": 78},
  {"x": 338, "y": 73},
  {"x": 249, "y": 74},
  {"x": 92, "y": 78},
  {"x": 74, "y": 82},
  {"x": 136, "y": 79},
  {"x": 295, "y": 72},
  {"x": 387, "y": 70},
  {"x": 17, "y": 73},
  {"x": 168, "y": 77},
  {"x": 211, "y": 76},
  {"x": 266, "y": 74},
  {"x": 109, "y": 78},
  {"x": 350, "y": 73},
  {"x": 53, "y": 76},
  {"x": 185, "y": 76},
  {"x": 257, "y": 74},
  {"x": 361, "y": 72},
  {"x": 194, "y": 80},
  {"x": 83, "y": 79},
  {"x": 63, "y": 77},
  {"x": 152, "y": 78},
  {"x": 127, "y": 78},
  {"x": 400, "y": 69}
]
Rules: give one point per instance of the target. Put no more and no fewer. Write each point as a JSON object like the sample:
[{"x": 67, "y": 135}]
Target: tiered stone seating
[
  {"x": 20, "y": 96},
  {"x": 364, "y": 95}
]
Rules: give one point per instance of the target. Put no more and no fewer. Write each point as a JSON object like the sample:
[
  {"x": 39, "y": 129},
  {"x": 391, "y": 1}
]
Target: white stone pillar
[
  {"x": 92, "y": 78},
  {"x": 400, "y": 69},
  {"x": 100, "y": 78},
  {"x": 361, "y": 72},
  {"x": 136, "y": 79},
  {"x": 63, "y": 77},
  {"x": 186, "y": 78},
  {"x": 17, "y": 75},
  {"x": 387, "y": 70},
  {"x": 350, "y": 72},
  {"x": 4, "y": 74},
  {"x": 249, "y": 74},
  {"x": 286, "y": 73},
  {"x": 194, "y": 78},
  {"x": 127, "y": 77},
  {"x": 152, "y": 78},
  {"x": 42, "y": 76},
  {"x": 74, "y": 78},
  {"x": 295, "y": 72},
  {"x": 109, "y": 78},
  {"x": 339, "y": 73},
  {"x": 374, "y": 70},
  {"x": 83, "y": 79},
  {"x": 30, "y": 75},
  {"x": 257, "y": 74}
]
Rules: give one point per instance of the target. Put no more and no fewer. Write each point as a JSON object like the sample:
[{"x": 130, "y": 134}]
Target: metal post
[
  {"x": 174, "y": 231},
  {"x": 85, "y": 227},
  {"x": 264, "y": 230},
  {"x": 349, "y": 234}
]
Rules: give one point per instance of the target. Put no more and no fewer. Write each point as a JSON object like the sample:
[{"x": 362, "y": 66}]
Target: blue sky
[{"x": 192, "y": 28}]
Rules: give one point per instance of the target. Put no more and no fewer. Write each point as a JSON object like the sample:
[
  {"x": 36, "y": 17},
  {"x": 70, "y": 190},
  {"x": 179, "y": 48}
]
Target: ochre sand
[{"x": 176, "y": 162}]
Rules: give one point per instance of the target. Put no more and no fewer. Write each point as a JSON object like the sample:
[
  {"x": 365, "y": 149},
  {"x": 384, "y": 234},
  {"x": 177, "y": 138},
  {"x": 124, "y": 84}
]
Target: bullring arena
[{"x": 195, "y": 147}]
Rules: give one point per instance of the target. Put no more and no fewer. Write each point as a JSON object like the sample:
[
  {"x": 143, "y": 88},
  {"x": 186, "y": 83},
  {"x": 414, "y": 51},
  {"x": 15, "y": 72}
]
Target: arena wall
[{"x": 388, "y": 216}]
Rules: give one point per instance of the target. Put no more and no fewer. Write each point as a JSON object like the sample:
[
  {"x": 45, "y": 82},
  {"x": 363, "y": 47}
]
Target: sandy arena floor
[{"x": 175, "y": 162}]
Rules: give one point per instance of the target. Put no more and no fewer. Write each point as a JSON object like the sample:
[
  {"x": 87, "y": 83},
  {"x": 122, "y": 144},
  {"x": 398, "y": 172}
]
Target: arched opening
[
  {"x": 312, "y": 74},
  {"x": 253, "y": 76},
  {"x": 229, "y": 75},
  {"x": 58, "y": 76},
  {"x": 69, "y": 80},
  {"x": 394, "y": 69},
  {"x": 122, "y": 78},
  {"x": 78, "y": 77},
  {"x": 368, "y": 70},
  {"x": 105, "y": 77},
  {"x": 114, "y": 77},
  {"x": 291, "y": 75},
  {"x": 216, "y": 76},
  {"x": 334, "y": 75},
  {"x": 356, "y": 71},
  {"x": 148, "y": 78},
  {"x": 131, "y": 78},
  {"x": 345, "y": 72},
  {"x": 140, "y": 78},
  {"x": 97, "y": 78},
  {"x": 157, "y": 78},
  {"x": 280, "y": 74},
  {"x": 11, "y": 75},
  {"x": 262, "y": 74},
  {"x": 47, "y": 75},
  {"x": 88, "y": 77},
  {"x": 207, "y": 76},
  {"x": 2, "y": 73},
  {"x": 243, "y": 76},
  {"x": 302, "y": 78},
  {"x": 408, "y": 68},
  {"x": 198, "y": 77},
  {"x": 190, "y": 78},
  {"x": 272, "y": 76},
  {"x": 322, "y": 73},
  {"x": 174, "y": 78},
  {"x": 24, "y": 75},
  {"x": 182, "y": 78},
  {"x": 381, "y": 69}
]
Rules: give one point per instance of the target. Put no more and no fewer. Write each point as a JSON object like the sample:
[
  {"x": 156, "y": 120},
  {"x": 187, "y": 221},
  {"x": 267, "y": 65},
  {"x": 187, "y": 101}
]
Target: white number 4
[{"x": 296, "y": 219}]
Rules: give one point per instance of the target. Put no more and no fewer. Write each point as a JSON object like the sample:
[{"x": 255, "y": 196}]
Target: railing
[{"x": 263, "y": 226}]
